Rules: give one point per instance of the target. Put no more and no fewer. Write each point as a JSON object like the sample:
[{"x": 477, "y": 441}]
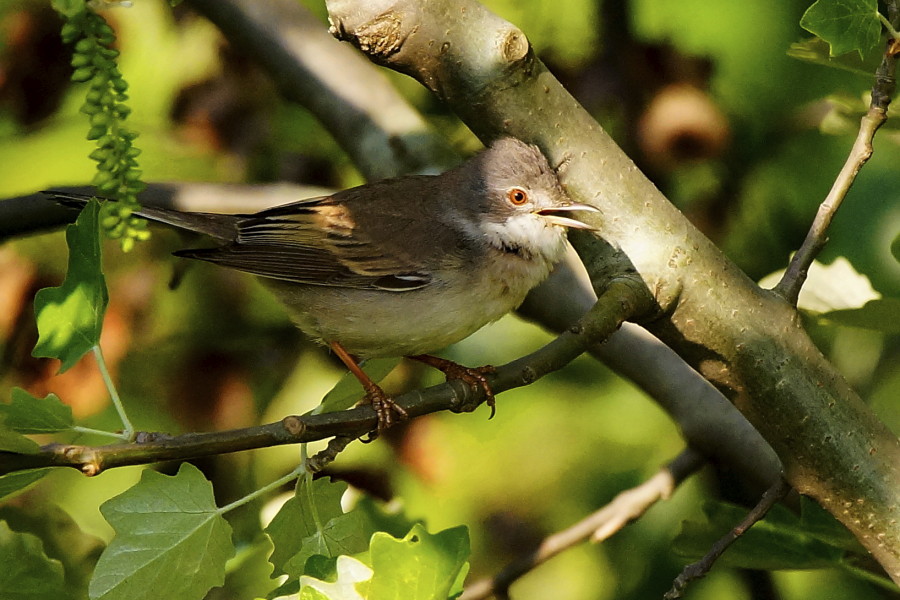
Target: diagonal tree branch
[
  {"x": 598, "y": 526},
  {"x": 748, "y": 342},
  {"x": 700, "y": 568},
  {"x": 380, "y": 131}
]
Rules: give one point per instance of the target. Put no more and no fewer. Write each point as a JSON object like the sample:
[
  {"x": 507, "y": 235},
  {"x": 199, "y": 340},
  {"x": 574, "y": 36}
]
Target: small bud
[
  {"x": 96, "y": 131},
  {"x": 82, "y": 74}
]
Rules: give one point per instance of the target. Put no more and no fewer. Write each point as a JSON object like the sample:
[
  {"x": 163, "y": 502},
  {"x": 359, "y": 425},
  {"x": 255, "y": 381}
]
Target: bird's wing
[{"x": 314, "y": 242}]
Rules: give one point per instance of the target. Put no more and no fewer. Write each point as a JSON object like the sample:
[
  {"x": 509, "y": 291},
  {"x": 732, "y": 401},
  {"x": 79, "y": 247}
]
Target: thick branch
[{"x": 748, "y": 342}]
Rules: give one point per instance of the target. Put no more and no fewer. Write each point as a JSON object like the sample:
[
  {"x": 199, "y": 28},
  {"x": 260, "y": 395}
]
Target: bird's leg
[
  {"x": 473, "y": 376},
  {"x": 384, "y": 405}
]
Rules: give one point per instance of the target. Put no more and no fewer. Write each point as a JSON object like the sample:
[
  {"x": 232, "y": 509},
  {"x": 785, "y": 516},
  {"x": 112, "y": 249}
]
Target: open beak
[{"x": 551, "y": 215}]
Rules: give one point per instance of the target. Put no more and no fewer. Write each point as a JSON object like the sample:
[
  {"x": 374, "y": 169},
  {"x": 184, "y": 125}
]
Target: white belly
[{"x": 372, "y": 323}]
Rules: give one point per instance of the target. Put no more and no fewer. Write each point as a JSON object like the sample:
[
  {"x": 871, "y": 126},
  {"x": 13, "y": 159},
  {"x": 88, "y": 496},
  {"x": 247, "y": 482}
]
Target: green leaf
[
  {"x": 171, "y": 541},
  {"x": 879, "y": 315},
  {"x": 421, "y": 566},
  {"x": 349, "y": 390},
  {"x": 312, "y": 522},
  {"x": 818, "y": 51},
  {"x": 27, "y": 573},
  {"x": 822, "y": 525},
  {"x": 895, "y": 247},
  {"x": 62, "y": 538},
  {"x": 27, "y": 414},
  {"x": 69, "y": 317},
  {"x": 845, "y": 24},
  {"x": 13, "y": 483},
  {"x": 13, "y": 441},
  {"x": 780, "y": 541}
]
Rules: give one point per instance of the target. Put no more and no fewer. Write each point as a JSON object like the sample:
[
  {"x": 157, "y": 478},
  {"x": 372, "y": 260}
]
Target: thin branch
[
  {"x": 700, "y": 568},
  {"x": 625, "y": 299},
  {"x": 882, "y": 91},
  {"x": 708, "y": 422},
  {"x": 599, "y": 526}
]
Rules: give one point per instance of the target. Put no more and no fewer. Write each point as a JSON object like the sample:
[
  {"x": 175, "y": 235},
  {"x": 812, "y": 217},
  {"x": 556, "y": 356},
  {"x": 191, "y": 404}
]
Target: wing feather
[{"x": 313, "y": 242}]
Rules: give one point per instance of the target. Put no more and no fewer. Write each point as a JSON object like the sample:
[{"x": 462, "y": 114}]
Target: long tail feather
[{"x": 219, "y": 227}]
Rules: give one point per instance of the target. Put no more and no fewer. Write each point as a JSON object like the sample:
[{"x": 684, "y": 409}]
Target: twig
[
  {"x": 335, "y": 446},
  {"x": 599, "y": 526},
  {"x": 622, "y": 301},
  {"x": 882, "y": 91},
  {"x": 700, "y": 568}
]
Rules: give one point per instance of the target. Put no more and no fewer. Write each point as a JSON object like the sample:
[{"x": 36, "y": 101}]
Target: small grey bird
[{"x": 404, "y": 266}]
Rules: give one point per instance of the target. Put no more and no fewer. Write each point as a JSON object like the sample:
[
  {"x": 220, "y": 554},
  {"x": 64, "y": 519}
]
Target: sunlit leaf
[
  {"x": 421, "y": 566},
  {"x": 349, "y": 584},
  {"x": 837, "y": 286},
  {"x": 69, "y": 317},
  {"x": 171, "y": 542}
]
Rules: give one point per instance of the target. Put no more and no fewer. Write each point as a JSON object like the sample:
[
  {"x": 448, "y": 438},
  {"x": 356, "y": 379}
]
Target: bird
[{"x": 403, "y": 266}]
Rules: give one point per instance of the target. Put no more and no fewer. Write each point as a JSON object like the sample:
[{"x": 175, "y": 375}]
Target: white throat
[{"x": 529, "y": 235}]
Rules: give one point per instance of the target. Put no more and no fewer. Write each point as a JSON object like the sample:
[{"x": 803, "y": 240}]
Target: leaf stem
[
  {"x": 91, "y": 431},
  {"x": 889, "y": 27},
  {"x": 127, "y": 428},
  {"x": 263, "y": 490}
]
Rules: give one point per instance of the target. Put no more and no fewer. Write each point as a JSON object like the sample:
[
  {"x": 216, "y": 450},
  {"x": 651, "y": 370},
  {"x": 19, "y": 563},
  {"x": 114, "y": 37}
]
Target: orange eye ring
[{"x": 517, "y": 196}]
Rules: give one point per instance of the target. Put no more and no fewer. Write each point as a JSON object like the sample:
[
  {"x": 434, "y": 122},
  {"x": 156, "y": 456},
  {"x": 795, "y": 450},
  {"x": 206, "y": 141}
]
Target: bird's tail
[{"x": 219, "y": 227}]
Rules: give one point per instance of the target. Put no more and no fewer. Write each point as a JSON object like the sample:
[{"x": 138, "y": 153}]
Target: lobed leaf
[
  {"x": 28, "y": 573},
  {"x": 780, "y": 541},
  {"x": 70, "y": 317},
  {"x": 313, "y": 523},
  {"x": 846, "y": 25},
  {"x": 27, "y": 414},
  {"x": 421, "y": 566},
  {"x": 171, "y": 541}
]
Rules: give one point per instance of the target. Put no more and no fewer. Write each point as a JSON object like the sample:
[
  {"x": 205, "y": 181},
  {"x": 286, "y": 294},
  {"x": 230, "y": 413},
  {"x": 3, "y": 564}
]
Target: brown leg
[
  {"x": 384, "y": 406},
  {"x": 474, "y": 376}
]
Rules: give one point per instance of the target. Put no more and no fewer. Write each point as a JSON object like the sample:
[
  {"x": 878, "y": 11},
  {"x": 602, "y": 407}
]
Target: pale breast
[{"x": 373, "y": 323}]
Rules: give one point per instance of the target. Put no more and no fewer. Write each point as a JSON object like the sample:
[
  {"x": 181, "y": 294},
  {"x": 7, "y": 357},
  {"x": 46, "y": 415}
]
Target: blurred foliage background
[{"x": 704, "y": 97}]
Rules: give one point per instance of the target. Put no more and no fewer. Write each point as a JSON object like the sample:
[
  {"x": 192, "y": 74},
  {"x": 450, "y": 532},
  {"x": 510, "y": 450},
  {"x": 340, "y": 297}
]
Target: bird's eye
[{"x": 517, "y": 196}]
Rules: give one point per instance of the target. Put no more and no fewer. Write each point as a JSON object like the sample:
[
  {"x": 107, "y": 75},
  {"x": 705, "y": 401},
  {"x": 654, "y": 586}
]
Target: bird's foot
[
  {"x": 388, "y": 412},
  {"x": 474, "y": 377}
]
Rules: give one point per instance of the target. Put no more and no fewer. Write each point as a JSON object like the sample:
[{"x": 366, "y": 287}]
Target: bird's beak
[{"x": 551, "y": 216}]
